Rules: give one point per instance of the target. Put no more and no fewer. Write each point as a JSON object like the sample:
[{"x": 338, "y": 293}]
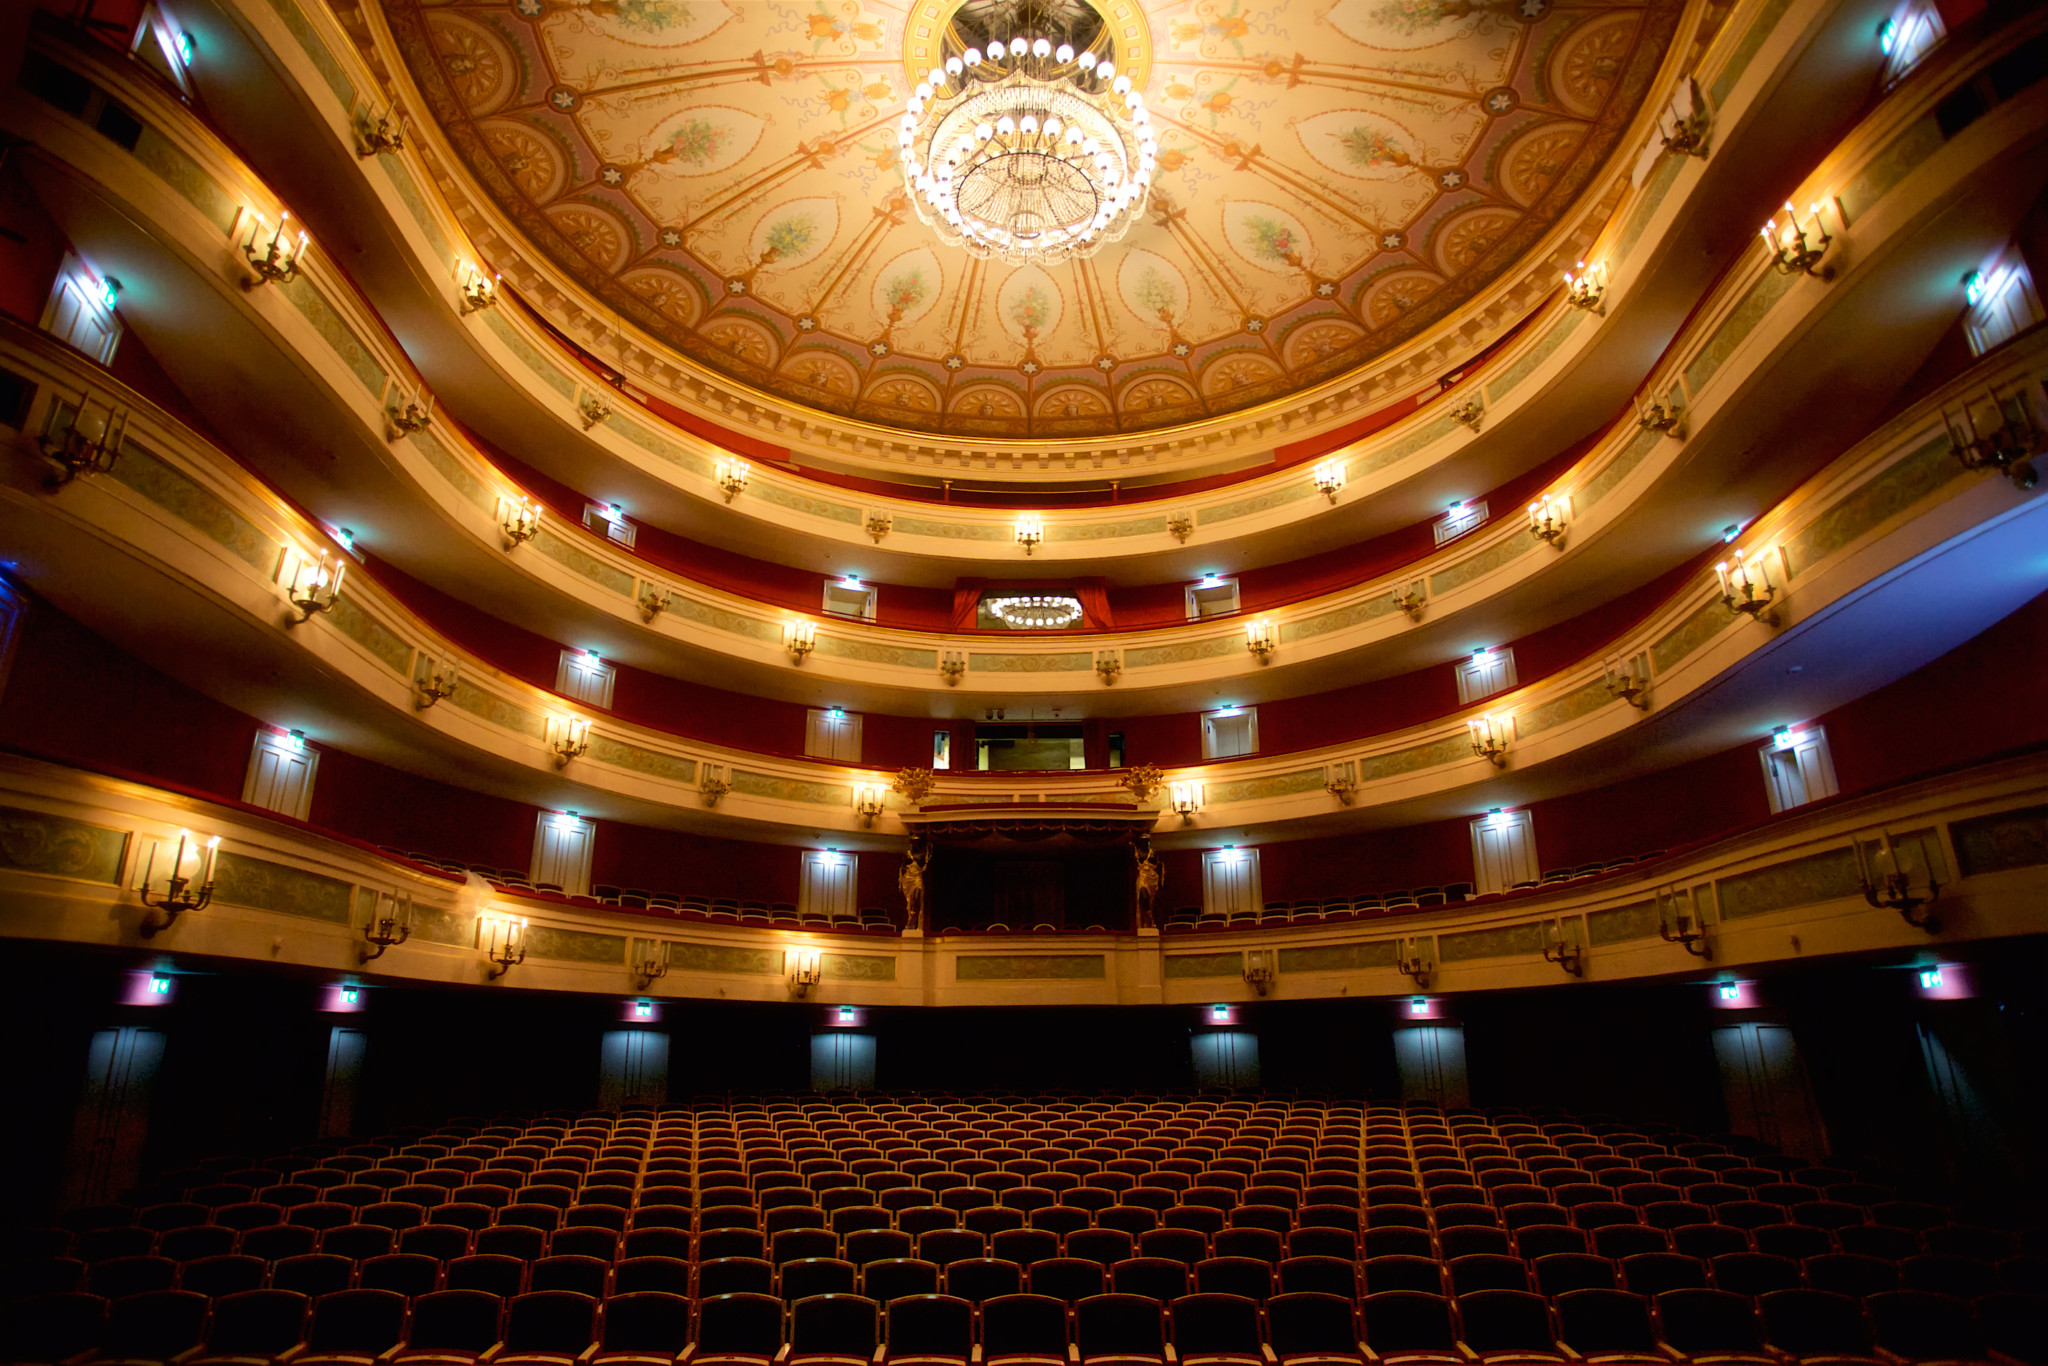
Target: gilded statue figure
[
  {"x": 1150, "y": 880},
  {"x": 910, "y": 881}
]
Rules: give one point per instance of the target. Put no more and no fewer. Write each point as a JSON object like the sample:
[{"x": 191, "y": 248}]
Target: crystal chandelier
[
  {"x": 1035, "y": 613},
  {"x": 1026, "y": 151}
]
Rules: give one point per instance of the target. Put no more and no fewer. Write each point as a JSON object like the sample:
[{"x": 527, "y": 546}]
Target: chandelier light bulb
[
  {"x": 935, "y": 77},
  {"x": 1006, "y": 125},
  {"x": 1019, "y": 46},
  {"x": 953, "y": 66},
  {"x": 1065, "y": 53},
  {"x": 1106, "y": 70},
  {"x": 1087, "y": 61},
  {"x": 1122, "y": 84},
  {"x": 1041, "y": 49}
]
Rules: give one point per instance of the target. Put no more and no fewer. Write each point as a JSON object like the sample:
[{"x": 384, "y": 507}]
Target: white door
[
  {"x": 827, "y": 887},
  {"x": 281, "y": 772},
  {"x": 561, "y": 852},
  {"x": 1230, "y": 882},
  {"x": 1765, "y": 1085},
  {"x": 632, "y": 1068},
  {"x": 1503, "y": 851},
  {"x": 1430, "y": 1060}
]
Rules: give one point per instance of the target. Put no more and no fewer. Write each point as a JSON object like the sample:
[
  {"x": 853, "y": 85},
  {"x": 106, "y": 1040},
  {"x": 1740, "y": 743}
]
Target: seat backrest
[
  {"x": 1019, "y": 1325},
  {"x": 154, "y": 1325},
  {"x": 835, "y": 1325},
  {"x": 358, "y": 1322},
  {"x": 1119, "y": 1325},
  {"x": 1407, "y": 1321},
  {"x": 739, "y": 1324},
  {"x": 1505, "y": 1320},
  {"x": 1697, "y": 1321},
  {"x": 635, "y": 1275},
  {"x": 455, "y": 1320},
  {"x": 1212, "y": 1322},
  {"x": 983, "y": 1278},
  {"x": 1311, "y": 1323},
  {"x": 647, "y": 1321},
  {"x": 1590, "y": 1321},
  {"x": 1920, "y": 1324}
]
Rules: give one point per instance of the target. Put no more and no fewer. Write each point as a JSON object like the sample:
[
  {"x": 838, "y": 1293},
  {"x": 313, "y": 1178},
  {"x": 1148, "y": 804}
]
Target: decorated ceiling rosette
[{"x": 1332, "y": 177}]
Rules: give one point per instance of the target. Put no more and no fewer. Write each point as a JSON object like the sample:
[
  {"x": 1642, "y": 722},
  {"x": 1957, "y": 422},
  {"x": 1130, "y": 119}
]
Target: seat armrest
[
  {"x": 390, "y": 1354},
  {"x": 1670, "y": 1353},
  {"x": 493, "y": 1352},
  {"x": 1368, "y": 1353},
  {"x": 974, "y": 1356},
  {"x": 189, "y": 1354},
  {"x": 584, "y": 1357},
  {"x": 1172, "y": 1358},
  {"x": 1569, "y": 1353},
  {"x": 1266, "y": 1354},
  {"x": 782, "y": 1354},
  {"x": 1464, "y": 1352},
  {"x": 1073, "y": 1354},
  {"x": 881, "y": 1351},
  {"x": 689, "y": 1351},
  {"x": 293, "y": 1353}
]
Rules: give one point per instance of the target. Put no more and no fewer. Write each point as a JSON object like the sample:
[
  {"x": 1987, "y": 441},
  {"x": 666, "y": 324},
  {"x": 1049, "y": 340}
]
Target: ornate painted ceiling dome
[{"x": 1331, "y": 179}]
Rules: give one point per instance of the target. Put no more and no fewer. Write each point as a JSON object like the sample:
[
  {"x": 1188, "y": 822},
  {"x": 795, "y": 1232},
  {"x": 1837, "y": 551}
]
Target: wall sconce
[
  {"x": 275, "y": 262},
  {"x": 952, "y": 664},
  {"x": 1416, "y": 959},
  {"x": 799, "y": 638},
  {"x": 182, "y": 891},
  {"x": 1629, "y": 681},
  {"x": 313, "y": 585},
  {"x": 1030, "y": 531},
  {"x": 1888, "y": 883},
  {"x": 1746, "y": 586},
  {"x": 1184, "y": 799},
  {"x": 1587, "y": 289},
  {"x": 1683, "y": 128},
  {"x": 1108, "y": 664},
  {"x": 1547, "y": 517},
  {"x": 868, "y": 800},
  {"x": 804, "y": 971},
  {"x": 1490, "y": 738},
  {"x": 1790, "y": 251},
  {"x": 1180, "y": 526},
  {"x": 1560, "y": 948},
  {"x": 377, "y": 133},
  {"x": 653, "y": 601},
  {"x": 1329, "y": 476},
  {"x": 1411, "y": 599},
  {"x": 415, "y": 414},
  {"x": 568, "y": 737},
  {"x": 713, "y": 783},
  {"x": 87, "y": 444},
  {"x": 731, "y": 473},
  {"x": 650, "y": 962},
  {"x": 1471, "y": 412},
  {"x": 518, "y": 518},
  {"x": 594, "y": 410},
  {"x": 2010, "y": 449},
  {"x": 391, "y": 923},
  {"x": 437, "y": 681},
  {"x": 1262, "y": 639},
  {"x": 479, "y": 293},
  {"x": 1678, "y": 922},
  {"x": 1339, "y": 783},
  {"x": 503, "y": 940},
  {"x": 1258, "y": 970},
  {"x": 1653, "y": 416}
]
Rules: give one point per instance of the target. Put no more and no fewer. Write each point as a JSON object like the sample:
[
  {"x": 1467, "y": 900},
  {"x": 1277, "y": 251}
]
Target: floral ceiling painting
[{"x": 1334, "y": 176}]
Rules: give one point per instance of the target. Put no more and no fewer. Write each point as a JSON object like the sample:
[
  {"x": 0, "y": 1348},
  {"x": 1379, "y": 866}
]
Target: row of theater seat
[
  {"x": 653, "y": 1328},
  {"x": 1062, "y": 1277}
]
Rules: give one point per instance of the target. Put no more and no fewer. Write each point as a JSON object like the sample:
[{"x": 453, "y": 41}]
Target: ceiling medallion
[
  {"x": 1035, "y": 613},
  {"x": 1027, "y": 151}
]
